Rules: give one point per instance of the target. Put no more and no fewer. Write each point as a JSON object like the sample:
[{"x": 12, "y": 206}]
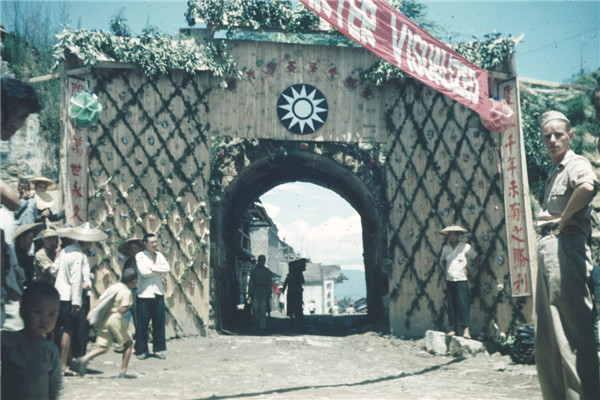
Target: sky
[{"x": 560, "y": 38}]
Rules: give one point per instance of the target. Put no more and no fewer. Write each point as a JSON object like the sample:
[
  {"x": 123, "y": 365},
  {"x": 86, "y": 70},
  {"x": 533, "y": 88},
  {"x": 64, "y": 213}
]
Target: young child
[
  {"x": 454, "y": 259},
  {"x": 114, "y": 328},
  {"x": 31, "y": 367}
]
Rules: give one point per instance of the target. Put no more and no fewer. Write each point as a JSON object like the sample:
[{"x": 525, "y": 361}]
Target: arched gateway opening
[{"x": 267, "y": 169}]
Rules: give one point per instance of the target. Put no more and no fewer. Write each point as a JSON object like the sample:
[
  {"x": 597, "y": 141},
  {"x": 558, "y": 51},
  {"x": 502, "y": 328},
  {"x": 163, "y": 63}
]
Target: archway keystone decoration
[{"x": 302, "y": 109}]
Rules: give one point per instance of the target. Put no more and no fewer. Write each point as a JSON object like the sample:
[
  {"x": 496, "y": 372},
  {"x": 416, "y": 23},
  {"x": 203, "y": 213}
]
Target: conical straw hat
[
  {"x": 453, "y": 228},
  {"x": 124, "y": 247},
  {"x": 86, "y": 233},
  {"x": 35, "y": 228}
]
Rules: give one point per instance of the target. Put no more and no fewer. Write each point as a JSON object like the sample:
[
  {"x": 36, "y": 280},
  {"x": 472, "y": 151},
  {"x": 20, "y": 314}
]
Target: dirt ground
[{"x": 309, "y": 363}]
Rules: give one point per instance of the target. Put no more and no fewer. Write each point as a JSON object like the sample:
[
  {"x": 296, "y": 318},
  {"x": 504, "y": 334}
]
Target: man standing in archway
[{"x": 260, "y": 289}]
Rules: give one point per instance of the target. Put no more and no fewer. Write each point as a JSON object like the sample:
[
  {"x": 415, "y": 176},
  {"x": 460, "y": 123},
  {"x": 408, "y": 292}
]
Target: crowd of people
[
  {"x": 47, "y": 283},
  {"x": 54, "y": 304}
]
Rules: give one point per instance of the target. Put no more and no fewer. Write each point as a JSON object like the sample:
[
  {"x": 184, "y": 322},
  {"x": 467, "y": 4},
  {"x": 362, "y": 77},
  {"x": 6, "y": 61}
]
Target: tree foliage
[
  {"x": 256, "y": 15},
  {"x": 28, "y": 52},
  {"x": 154, "y": 52},
  {"x": 576, "y": 105}
]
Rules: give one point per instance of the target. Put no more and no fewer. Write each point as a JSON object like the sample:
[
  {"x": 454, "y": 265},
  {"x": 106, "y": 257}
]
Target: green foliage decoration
[
  {"x": 487, "y": 54},
  {"x": 154, "y": 52}
]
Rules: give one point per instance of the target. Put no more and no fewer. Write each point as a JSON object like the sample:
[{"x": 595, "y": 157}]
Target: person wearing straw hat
[
  {"x": 43, "y": 201},
  {"x": 70, "y": 282},
  {"x": 23, "y": 240},
  {"x": 130, "y": 248},
  {"x": 46, "y": 256},
  {"x": 293, "y": 283},
  {"x": 565, "y": 345},
  {"x": 455, "y": 256}
]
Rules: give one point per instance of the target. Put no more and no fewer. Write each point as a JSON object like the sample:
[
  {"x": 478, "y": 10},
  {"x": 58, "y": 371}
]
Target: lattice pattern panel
[
  {"x": 148, "y": 172},
  {"x": 442, "y": 169}
]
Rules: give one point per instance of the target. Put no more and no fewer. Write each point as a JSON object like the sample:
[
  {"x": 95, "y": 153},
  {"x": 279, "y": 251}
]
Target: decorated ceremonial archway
[
  {"x": 177, "y": 155},
  {"x": 244, "y": 170}
]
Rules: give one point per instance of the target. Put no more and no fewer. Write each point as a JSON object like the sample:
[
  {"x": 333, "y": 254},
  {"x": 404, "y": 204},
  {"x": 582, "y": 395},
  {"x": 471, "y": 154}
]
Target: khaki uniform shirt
[{"x": 571, "y": 172}]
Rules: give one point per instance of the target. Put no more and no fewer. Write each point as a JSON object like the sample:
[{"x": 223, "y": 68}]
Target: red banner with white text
[{"x": 388, "y": 34}]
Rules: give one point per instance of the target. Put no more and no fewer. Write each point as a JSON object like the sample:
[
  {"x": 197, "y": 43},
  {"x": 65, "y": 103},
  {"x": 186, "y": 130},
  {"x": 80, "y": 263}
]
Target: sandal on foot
[{"x": 68, "y": 372}]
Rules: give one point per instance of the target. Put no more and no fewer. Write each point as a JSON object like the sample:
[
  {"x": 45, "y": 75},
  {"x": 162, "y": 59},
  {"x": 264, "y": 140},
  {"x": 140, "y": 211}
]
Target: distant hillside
[{"x": 354, "y": 288}]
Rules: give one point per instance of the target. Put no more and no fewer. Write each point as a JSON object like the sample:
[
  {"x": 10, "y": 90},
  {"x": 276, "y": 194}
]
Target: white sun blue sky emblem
[{"x": 302, "y": 109}]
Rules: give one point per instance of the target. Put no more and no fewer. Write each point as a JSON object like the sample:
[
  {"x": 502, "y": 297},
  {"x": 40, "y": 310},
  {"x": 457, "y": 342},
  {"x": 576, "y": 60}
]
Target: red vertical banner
[
  {"x": 388, "y": 34},
  {"x": 516, "y": 201},
  {"x": 76, "y": 171}
]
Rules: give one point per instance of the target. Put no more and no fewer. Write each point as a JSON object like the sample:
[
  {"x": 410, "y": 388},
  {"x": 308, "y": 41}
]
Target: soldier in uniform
[{"x": 565, "y": 348}]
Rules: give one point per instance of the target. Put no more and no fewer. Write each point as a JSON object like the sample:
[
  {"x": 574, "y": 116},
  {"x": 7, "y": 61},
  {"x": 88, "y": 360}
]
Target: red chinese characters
[{"x": 517, "y": 240}]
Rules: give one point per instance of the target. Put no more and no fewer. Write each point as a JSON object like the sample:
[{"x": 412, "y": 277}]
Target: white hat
[
  {"x": 453, "y": 228},
  {"x": 85, "y": 233}
]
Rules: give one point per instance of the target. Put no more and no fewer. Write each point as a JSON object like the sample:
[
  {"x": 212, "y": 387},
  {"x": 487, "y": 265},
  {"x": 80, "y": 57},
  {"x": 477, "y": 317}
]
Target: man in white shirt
[
  {"x": 152, "y": 266},
  {"x": 455, "y": 256},
  {"x": 72, "y": 271}
]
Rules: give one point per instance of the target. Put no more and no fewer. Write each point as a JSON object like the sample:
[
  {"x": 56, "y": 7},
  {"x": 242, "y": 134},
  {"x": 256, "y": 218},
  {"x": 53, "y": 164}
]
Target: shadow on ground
[{"x": 324, "y": 325}]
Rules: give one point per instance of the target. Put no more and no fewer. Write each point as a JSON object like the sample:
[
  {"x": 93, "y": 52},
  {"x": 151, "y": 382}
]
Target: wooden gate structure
[{"x": 179, "y": 156}]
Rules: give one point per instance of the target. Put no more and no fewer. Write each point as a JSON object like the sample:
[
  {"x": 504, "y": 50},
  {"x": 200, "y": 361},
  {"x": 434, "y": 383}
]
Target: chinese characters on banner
[
  {"x": 76, "y": 177},
  {"x": 515, "y": 204},
  {"x": 388, "y": 34}
]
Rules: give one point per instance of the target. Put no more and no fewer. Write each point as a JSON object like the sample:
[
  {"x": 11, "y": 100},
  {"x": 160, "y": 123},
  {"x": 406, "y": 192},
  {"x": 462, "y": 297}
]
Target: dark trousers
[
  {"x": 458, "y": 304},
  {"x": 150, "y": 309},
  {"x": 81, "y": 328}
]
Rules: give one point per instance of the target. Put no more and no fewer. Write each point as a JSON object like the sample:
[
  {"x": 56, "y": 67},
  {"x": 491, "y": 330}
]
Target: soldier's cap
[{"x": 551, "y": 116}]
